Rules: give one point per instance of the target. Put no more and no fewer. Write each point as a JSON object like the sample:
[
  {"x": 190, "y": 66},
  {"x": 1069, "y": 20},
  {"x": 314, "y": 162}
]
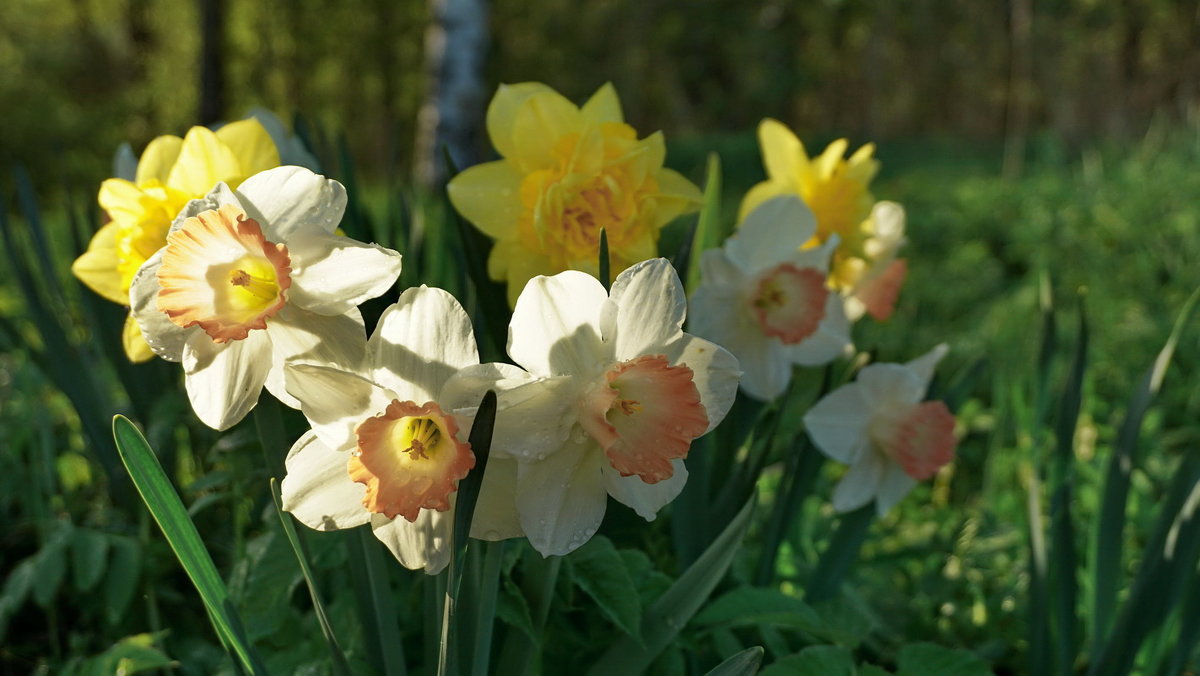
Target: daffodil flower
[
  {"x": 171, "y": 172},
  {"x": 767, "y": 300},
  {"x": 881, "y": 428},
  {"x": 624, "y": 391},
  {"x": 252, "y": 277},
  {"x": 566, "y": 173},
  {"x": 388, "y": 441},
  {"x": 874, "y": 282}
]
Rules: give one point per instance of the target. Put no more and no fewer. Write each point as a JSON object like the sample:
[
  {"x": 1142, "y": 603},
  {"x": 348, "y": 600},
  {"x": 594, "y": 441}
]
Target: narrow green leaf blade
[
  {"x": 663, "y": 620},
  {"x": 709, "y": 232},
  {"x": 744, "y": 663},
  {"x": 340, "y": 666},
  {"x": 167, "y": 509},
  {"x": 1110, "y": 526}
]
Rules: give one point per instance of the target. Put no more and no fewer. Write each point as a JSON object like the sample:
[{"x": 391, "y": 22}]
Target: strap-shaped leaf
[{"x": 167, "y": 509}]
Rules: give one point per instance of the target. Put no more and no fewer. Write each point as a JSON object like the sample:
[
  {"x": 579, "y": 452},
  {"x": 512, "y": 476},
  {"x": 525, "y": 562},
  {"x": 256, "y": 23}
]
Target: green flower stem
[{"x": 486, "y": 608}]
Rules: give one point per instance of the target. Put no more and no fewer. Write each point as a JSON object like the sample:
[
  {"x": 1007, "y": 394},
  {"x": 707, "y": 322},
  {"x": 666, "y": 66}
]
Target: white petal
[
  {"x": 817, "y": 257},
  {"x": 555, "y": 328},
  {"x": 219, "y": 196},
  {"x": 419, "y": 343},
  {"x": 831, "y": 339},
  {"x": 223, "y": 381},
  {"x": 288, "y": 201},
  {"x": 860, "y": 483},
  {"x": 561, "y": 499},
  {"x": 717, "y": 271},
  {"x": 892, "y": 488},
  {"x": 332, "y": 274},
  {"x": 534, "y": 416},
  {"x": 421, "y": 544},
  {"x": 889, "y": 384},
  {"x": 164, "y": 336},
  {"x": 766, "y": 366},
  {"x": 339, "y": 341},
  {"x": 771, "y": 234},
  {"x": 317, "y": 489},
  {"x": 645, "y": 499},
  {"x": 715, "y": 372},
  {"x": 335, "y": 401},
  {"x": 838, "y": 423},
  {"x": 649, "y": 306},
  {"x": 924, "y": 365},
  {"x": 495, "y": 515}
]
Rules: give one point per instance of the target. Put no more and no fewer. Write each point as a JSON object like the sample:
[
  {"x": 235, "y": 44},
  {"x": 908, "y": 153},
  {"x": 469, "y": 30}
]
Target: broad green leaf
[
  {"x": 16, "y": 590},
  {"x": 663, "y": 620},
  {"x": 818, "y": 660},
  {"x": 753, "y": 605},
  {"x": 89, "y": 553},
  {"x": 709, "y": 232},
  {"x": 130, "y": 655},
  {"x": 513, "y": 609},
  {"x": 600, "y": 571},
  {"x": 928, "y": 659},
  {"x": 51, "y": 565},
  {"x": 121, "y": 579},
  {"x": 168, "y": 511},
  {"x": 745, "y": 663}
]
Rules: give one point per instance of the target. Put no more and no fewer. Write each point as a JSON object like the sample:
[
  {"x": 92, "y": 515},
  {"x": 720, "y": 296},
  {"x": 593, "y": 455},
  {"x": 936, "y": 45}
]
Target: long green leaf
[
  {"x": 340, "y": 666},
  {"x": 663, "y": 620},
  {"x": 744, "y": 663},
  {"x": 839, "y": 556},
  {"x": 167, "y": 509},
  {"x": 1064, "y": 560},
  {"x": 1110, "y": 526},
  {"x": 709, "y": 232}
]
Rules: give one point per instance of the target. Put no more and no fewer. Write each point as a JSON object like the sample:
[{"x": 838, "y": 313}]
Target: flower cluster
[{"x": 232, "y": 266}]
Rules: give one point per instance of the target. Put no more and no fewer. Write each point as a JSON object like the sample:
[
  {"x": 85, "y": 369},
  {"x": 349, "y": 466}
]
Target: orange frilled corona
[
  {"x": 220, "y": 272},
  {"x": 644, "y": 415},
  {"x": 409, "y": 458}
]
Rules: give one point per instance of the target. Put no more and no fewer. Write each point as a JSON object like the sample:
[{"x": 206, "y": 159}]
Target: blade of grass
[
  {"x": 1064, "y": 560},
  {"x": 604, "y": 264},
  {"x": 1110, "y": 526},
  {"x": 381, "y": 605},
  {"x": 486, "y": 610},
  {"x": 164, "y": 504},
  {"x": 840, "y": 554},
  {"x": 744, "y": 663},
  {"x": 662, "y": 621},
  {"x": 340, "y": 666},
  {"x": 709, "y": 232}
]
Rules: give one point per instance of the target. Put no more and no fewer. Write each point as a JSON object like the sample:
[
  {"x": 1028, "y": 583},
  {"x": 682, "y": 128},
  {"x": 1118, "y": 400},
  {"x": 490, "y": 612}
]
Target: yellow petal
[
  {"x": 763, "y": 192},
  {"x": 538, "y": 126},
  {"x": 783, "y": 154},
  {"x": 135, "y": 345},
  {"x": 676, "y": 196},
  {"x": 203, "y": 161},
  {"x": 829, "y": 160},
  {"x": 502, "y": 111},
  {"x": 97, "y": 267},
  {"x": 158, "y": 158},
  {"x": 604, "y": 106},
  {"x": 251, "y": 144},
  {"x": 489, "y": 196},
  {"x": 121, "y": 199}
]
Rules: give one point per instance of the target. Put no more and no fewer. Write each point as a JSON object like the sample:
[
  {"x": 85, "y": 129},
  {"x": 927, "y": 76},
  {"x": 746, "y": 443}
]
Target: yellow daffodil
[
  {"x": 566, "y": 173},
  {"x": 171, "y": 172}
]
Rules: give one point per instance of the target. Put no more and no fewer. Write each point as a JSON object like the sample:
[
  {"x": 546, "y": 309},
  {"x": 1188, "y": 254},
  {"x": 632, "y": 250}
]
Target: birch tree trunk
[{"x": 452, "y": 113}]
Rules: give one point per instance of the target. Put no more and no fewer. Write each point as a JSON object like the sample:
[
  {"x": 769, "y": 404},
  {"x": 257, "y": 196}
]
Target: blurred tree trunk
[
  {"x": 212, "y": 61},
  {"x": 1020, "y": 82},
  {"x": 452, "y": 113}
]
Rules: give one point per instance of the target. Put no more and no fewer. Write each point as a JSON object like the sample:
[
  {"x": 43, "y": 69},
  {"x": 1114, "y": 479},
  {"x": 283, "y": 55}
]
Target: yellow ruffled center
[
  {"x": 409, "y": 458},
  {"x": 599, "y": 181}
]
